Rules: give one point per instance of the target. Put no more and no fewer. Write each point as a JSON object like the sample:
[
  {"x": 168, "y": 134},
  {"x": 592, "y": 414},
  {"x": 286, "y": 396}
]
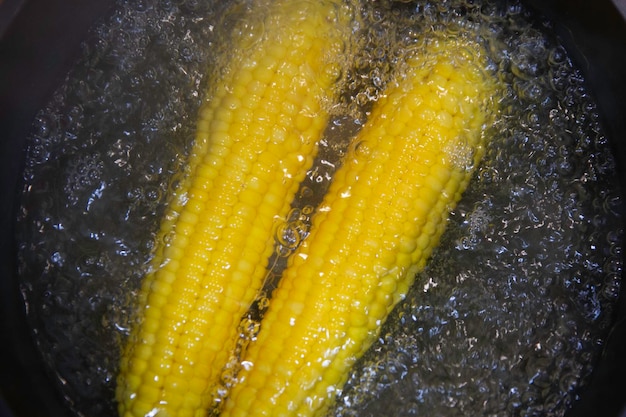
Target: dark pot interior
[
  {"x": 35, "y": 52},
  {"x": 41, "y": 39}
]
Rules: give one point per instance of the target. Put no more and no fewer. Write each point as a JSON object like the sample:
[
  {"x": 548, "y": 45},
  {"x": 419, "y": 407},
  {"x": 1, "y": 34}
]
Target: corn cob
[
  {"x": 256, "y": 137},
  {"x": 384, "y": 213}
]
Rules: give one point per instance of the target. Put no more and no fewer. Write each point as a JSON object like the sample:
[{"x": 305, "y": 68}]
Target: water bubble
[
  {"x": 43, "y": 125},
  {"x": 142, "y": 5},
  {"x": 263, "y": 303},
  {"x": 152, "y": 193},
  {"x": 249, "y": 328},
  {"x": 38, "y": 154},
  {"x": 288, "y": 236},
  {"x": 611, "y": 287}
]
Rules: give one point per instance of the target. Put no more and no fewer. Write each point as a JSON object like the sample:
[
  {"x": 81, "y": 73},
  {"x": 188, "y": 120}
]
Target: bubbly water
[{"x": 514, "y": 306}]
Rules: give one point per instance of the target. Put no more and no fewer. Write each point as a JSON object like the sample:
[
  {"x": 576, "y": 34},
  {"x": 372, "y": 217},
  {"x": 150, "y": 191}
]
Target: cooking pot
[{"x": 40, "y": 39}]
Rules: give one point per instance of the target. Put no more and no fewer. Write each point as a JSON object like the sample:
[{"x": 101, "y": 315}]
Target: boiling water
[{"x": 514, "y": 306}]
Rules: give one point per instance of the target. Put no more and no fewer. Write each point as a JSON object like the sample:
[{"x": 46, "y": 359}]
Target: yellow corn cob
[
  {"x": 256, "y": 137},
  {"x": 384, "y": 213}
]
